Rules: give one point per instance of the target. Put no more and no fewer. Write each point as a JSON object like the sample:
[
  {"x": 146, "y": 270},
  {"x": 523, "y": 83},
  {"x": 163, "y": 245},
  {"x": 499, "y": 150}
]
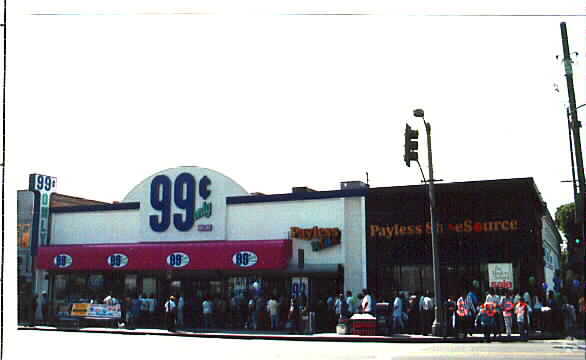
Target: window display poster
[
  {"x": 299, "y": 285},
  {"x": 97, "y": 310},
  {"x": 500, "y": 275}
]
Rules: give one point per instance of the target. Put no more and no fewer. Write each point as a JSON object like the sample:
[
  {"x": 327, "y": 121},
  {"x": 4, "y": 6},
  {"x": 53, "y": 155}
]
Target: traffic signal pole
[
  {"x": 437, "y": 329},
  {"x": 579, "y": 200}
]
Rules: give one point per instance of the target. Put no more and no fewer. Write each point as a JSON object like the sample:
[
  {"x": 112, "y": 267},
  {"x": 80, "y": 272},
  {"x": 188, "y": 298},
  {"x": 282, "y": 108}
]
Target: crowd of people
[
  {"x": 495, "y": 313},
  {"x": 252, "y": 312}
]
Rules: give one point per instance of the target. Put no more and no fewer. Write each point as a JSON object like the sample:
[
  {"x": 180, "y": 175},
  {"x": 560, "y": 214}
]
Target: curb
[{"x": 292, "y": 337}]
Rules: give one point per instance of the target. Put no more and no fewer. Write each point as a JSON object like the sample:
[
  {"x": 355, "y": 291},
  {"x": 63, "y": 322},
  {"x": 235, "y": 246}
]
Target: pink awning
[{"x": 216, "y": 255}]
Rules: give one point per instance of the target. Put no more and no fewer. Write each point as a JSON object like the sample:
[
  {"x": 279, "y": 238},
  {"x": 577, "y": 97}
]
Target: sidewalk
[{"x": 282, "y": 335}]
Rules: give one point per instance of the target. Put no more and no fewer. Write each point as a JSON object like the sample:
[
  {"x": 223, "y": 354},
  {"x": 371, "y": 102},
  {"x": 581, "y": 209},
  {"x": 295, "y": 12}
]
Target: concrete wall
[
  {"x": 273, "y": 220},
  {"x": 95, "y": 227}
]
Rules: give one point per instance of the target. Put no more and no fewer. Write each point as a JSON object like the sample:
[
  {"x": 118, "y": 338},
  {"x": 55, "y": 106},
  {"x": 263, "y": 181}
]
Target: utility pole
[{"x": 575, "y": 125}]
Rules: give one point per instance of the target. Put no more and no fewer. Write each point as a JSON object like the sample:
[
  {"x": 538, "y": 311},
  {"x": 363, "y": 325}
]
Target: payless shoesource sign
[
  {"x": 321, "y": 238},
  {"x": 391, "y": 231}
]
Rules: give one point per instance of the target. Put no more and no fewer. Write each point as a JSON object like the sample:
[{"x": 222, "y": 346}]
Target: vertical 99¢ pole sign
[{"x": 43, "y": 186}]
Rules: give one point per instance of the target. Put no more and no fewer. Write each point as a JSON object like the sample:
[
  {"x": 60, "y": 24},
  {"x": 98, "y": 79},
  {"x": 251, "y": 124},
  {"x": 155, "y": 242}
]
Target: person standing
[
  {"x": 398, "y": 314},
  {"x": 521, "y": 312},
  {"x": 273, "y": 310},
  {"x": 581, "y": 310},
  {"x": 33, "y": 310},
  {"x": 293, "y": 319},
  {"x": 462, "y": 317},
  {"x": 152, "y": 307},
  {"x": 352, "y": 303},
  {"x": 472, "y": 300},
  {"x": 41, "y": 309},
  {"x": 368, "y": 302},
  {"x": 426, "y": 309},
  {"x": 484, "y": 322},
  {"x": 207, "y": 308},
  {"x": 451, "y": 316},
  {"x": 491, "y": 310},
  {"x": 259, "y": 312},
  {"x": 490, "y": 296},
  {"x": 170, "y": 313},
  {"x": 507, "y": 310},
  {"x": 180, "y": 307},
  {"x": 569, "y": 314},
  {"x": 134, "y": 312},
  {"x": 537, "y": 315},
  {"x": 413, "y": 314},
  {"x": 144, "y": 310}
]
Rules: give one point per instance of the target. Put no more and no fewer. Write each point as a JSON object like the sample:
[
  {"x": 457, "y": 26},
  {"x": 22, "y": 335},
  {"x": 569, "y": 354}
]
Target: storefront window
[
  {"x": 411, "y": 278},
  {"x": 216, "y": 288},
  {"x": 149, "y": 286},
  {"x": 426, "y": 278},
  {"x": 244, "y": 285},
  {"x": 130, "y": 285},
  {"x": 60, "y": 287},
  {"x": 236, "y": 285},
  {"x": 96, "y": 286},
  {"x": 76, "y": 287}
]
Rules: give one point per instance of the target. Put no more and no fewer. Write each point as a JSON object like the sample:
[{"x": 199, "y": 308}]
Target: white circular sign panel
[
  {"x": 178, "y": 259},
  {"x": 117, "y": 260},
  {"x": 244, "y": 259},
  {"x": 63, "y": 261}
]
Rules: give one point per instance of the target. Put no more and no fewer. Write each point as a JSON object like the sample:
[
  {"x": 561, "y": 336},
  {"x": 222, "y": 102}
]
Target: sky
[
  {"x": 278, "y": 94},
  {"x": 103, "y": 96}
]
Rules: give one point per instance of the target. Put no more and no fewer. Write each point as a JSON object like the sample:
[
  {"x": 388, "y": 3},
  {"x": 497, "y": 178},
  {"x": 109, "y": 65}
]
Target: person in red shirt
[{"x": 521, "y": 311}]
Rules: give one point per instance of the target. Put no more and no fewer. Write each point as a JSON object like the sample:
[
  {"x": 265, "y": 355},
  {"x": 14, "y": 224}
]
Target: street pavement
[
  {"x": 283, "y": 335},
  {"x": 49, "y": 343}
]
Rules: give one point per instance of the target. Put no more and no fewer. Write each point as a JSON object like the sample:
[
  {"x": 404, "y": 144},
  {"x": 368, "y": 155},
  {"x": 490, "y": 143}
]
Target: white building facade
[{"x": 194, "y": 231}]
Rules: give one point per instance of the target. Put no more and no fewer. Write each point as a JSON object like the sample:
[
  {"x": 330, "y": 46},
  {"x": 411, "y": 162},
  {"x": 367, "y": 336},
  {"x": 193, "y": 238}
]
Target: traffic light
[{"x": 411, "y": 145}]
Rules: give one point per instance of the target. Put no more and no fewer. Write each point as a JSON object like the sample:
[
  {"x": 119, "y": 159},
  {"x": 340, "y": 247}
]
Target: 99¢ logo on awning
[
  {"x": 244, "y": 259},
  {"x": 178, "y": 259},
  {"x": 63, "y": 261}
]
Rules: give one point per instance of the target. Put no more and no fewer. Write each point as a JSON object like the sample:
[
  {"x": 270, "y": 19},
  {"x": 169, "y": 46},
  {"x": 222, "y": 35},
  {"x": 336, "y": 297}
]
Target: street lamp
[{"x": 438, "y": 328}]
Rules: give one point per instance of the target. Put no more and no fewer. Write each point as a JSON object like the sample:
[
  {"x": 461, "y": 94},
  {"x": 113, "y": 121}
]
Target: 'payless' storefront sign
[
  {"x": 323, "y": 238},
  {"x": 467, "y": 226}
]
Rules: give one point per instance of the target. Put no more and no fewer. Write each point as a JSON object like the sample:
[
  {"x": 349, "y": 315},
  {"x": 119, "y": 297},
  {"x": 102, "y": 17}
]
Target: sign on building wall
[
  {"x": 321, "y": 238},
  {"x": 299, "y": 286},
  {"x": 501, "y": 275},
  {"x": 184, "y": 204},
  {"x": 43, "y": 186}
]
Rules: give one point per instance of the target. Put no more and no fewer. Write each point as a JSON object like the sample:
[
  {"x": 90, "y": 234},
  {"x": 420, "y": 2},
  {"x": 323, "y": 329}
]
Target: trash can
[{"x": 383, "y": 318}]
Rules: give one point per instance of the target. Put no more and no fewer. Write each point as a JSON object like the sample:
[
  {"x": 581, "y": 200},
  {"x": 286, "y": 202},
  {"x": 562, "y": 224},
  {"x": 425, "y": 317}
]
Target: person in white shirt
[
  {"x": 490, "y": 297},
  {"x": 426, "y": 310},
  {"x": 170, "y": 313},
  {"x": 398, "y": 314},
  {"x": 180, "y": 306},
  {"x": 273, "y": 309},
  {"x": 367, "y": 303}
]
